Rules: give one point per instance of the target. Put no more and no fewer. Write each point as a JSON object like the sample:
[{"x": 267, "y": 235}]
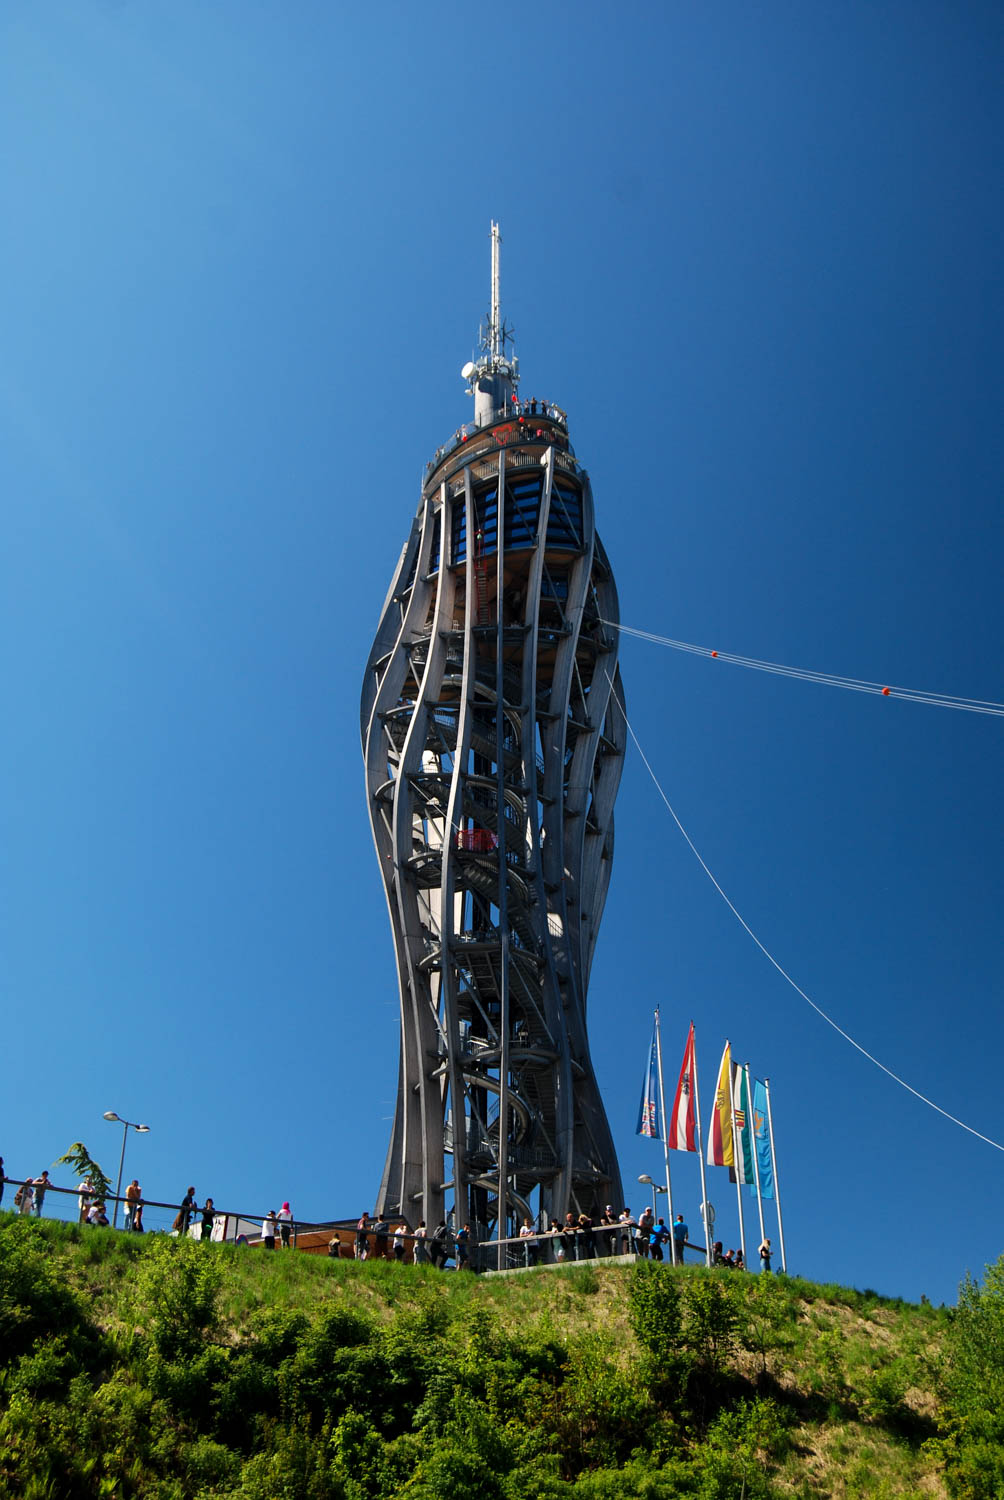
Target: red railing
[{"x": 477, "y": 840}]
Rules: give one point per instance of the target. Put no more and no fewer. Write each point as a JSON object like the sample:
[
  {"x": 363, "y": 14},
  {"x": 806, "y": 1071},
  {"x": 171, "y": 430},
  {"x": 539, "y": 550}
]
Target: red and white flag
[{"x": 682, "y": 1132}]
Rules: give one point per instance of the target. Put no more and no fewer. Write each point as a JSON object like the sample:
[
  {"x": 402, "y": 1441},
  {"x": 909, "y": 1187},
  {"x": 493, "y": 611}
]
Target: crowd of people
[
  {"x": 577, "y": 1237},
  {"x": 92, "y": 1208},
  {"x": 391, "y": 1242}
]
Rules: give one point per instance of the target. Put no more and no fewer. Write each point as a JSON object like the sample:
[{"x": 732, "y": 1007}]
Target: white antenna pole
[
  {"x": 665, "y": 1132},
  {"x": 777, "y": 1188},
  {"x": 496, "y": 316}
]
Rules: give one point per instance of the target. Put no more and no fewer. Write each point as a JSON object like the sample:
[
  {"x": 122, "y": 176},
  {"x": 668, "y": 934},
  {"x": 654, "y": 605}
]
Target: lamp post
[
  {"x": 656, "y": 1188},
  {"x": 127, "y": 1125}
]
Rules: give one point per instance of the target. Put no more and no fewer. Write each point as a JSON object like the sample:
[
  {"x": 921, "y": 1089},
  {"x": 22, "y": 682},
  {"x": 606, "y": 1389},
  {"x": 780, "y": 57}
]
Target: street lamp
[
  {"x": 127, "y": 1125},
  {"x": 656, "y": 1188}
]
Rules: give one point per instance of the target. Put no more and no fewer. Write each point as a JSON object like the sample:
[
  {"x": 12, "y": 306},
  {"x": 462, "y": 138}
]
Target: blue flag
[
  {"x": 762, "y": 1139},
  {"x": 648, "y": 1111}
]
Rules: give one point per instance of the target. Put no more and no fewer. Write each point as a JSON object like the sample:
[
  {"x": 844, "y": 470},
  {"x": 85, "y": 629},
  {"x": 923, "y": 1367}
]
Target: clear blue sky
[{"x": 755, "y": 252}]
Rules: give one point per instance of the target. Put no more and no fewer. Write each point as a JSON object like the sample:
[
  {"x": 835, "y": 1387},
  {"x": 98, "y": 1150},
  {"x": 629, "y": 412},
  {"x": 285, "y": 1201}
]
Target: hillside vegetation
[{"x": 148, "y": 1366}]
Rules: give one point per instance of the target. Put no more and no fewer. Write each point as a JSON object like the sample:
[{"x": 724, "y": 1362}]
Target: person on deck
[
  {"x": 660, "y": 1234},
  {"x": 765, "y": 1254},
  {"x": 208, "y": 1214},
  {"x": 463, "y": 1247},
  {"x": 680, "y": 1234},
  {"x": 528, "y": 1236},
  {"x": 439, "y": 1247},
  {"x": 41, "y": 1183},
  {"x": 284, "y": 1219},
  {"x": 645, "y": 1226},
  {"x": 133, "y": 1194},
  {"x": 185, "y": 1213}
]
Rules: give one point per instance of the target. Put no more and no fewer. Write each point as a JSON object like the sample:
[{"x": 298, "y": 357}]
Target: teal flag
[{"x": 762, "y": 1138}]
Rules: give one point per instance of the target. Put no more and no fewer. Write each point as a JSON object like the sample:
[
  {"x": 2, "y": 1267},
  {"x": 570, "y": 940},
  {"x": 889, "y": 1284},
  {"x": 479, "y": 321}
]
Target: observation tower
[{"x": 494, "y": 741}]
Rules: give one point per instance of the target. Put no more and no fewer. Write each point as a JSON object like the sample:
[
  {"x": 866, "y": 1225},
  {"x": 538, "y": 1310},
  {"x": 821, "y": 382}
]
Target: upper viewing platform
[
  {"x": 537, "y": 422},
  {"x": 501, "y": 418}
]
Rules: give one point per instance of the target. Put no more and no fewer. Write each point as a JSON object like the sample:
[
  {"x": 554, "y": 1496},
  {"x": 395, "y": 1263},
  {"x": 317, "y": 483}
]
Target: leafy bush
[
  {"x": 35, "y": 1302},
  {"x": 654, "y": 1310},
  {"x": 179, "y": 1283}
]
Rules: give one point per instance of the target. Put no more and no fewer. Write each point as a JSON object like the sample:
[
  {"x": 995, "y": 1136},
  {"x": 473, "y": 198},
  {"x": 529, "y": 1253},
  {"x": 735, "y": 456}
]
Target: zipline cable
[
  {"x": 825, "y": 679},
  {"x": 771, "y": 959}
]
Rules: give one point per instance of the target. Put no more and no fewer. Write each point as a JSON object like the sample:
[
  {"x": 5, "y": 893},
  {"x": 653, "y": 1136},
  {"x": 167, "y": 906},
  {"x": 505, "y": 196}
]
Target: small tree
[
  {"x": 711, "y": 1320},
  {"x": 84, "y": 1165},
  {"x": 766, "y": 1318},
  {"x": 654, "y": 1310},
  {"x": 972, "y": 1385}
]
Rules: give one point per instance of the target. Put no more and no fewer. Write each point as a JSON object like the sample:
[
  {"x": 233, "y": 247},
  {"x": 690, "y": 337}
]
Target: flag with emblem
[
  {"x": 683, "y": 1119},
  {"x": 744, "y": 1133},
  {"x": 648, "y": 1110},
  {"x": 761, "y": 1138},
  {"x": 720, "y": 1153}
]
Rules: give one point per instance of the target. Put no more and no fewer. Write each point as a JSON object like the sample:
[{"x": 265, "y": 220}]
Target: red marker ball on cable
[
  {"x": 886, "y": 692},
  {"x": 714, "y": 653}
]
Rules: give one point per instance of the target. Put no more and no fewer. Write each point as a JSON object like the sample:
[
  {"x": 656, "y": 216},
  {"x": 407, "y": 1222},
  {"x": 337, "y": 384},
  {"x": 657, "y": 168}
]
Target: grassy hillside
[{"x": 144, "y": 1366}]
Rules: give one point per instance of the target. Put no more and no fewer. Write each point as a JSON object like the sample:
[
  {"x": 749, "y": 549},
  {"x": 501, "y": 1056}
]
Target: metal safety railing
[
  {"x": 155, "y": 1217},
  {"x": 554, "y": 1246}
]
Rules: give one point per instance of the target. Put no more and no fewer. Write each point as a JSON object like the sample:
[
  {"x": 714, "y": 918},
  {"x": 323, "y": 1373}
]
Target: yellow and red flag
[{"x": 720, "y": 1152}]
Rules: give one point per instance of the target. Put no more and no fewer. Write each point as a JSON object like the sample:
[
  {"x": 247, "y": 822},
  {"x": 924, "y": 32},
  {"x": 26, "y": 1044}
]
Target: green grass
[{"x": 545, "y": 1363}]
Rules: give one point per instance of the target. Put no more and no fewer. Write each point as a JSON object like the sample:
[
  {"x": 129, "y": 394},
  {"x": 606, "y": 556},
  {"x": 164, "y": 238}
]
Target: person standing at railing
[
  {"x": 397, "y": 1244},
  {"x": 284, "y": 1218},
  {"x": 528, "y": 1237},
  {"x": 463, "y": 1247},
  {"x": 184, "y": 1215},
  {"x": 41, "y": 1183},
  {"x": 208, "y": 1215},
  {"x": 680, "y": 1236},
  {"x": 133, "y": 1194},
  {"x": 421, "y": 1247},
  {"x": 645, "y": 1226},
  {"x": 438, "y": 1245},
  {"x": 25, "y": 1197},
  {"x": 268, "y": 1230},
  {"x": 362, "y": 1237},
  {"x": 84, "y": 1197}
]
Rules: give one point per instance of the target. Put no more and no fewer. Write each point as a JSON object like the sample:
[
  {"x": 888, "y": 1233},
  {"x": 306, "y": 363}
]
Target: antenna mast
[{"x": 496, "y": 317}]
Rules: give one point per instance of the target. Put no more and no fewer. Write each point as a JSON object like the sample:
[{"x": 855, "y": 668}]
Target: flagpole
[
  {"x": 700, "y": 1157},
  {"x": 735, "y": 1161},
  {"x": 665, "y": 1131},
  {"x": 755, "y": 1152},
  {"x": 777, "y": 1186}
]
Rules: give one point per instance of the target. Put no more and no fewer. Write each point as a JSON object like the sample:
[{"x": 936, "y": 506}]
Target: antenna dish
[{"x": 468, "y": 370}]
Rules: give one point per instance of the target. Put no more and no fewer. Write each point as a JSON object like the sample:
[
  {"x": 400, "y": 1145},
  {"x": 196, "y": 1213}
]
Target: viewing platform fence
[{"x": 339, "y": 1239}]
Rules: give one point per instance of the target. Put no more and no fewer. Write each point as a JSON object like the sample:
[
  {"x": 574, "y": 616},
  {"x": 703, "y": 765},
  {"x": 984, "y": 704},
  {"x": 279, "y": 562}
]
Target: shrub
[
  {"x": 179, "y": 1283},
  {"x": 654, "y": 1310},
  {"x": 35, "y": 1302}
]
